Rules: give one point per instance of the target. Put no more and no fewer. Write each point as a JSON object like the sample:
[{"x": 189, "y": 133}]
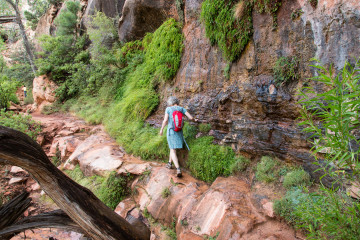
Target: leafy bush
[
  {"x": 102, "y": 33},
  {"x": 266, "y": 169},
  {"x": 22, "y": 123},
  {"x": 286, "y": 70},
  {"x": 230, "y": 33},
  {"x": 37, "y": 9},
  {"x": 67, "y": 19},
  {"x": 240, "y": 164},
  {"x": 7, "y": 91},
  {"x": 113, "y": 190},
  {"x": 332, "y": 116},
  {"x": 204, "y": 128},
  {"x": 296, "y": 178},
  {"x": 321, "y": 214},
  {"x": 110, "y": 190},
  {"x": 165, "y": 192},
  {"x": 207, "y": 161}
]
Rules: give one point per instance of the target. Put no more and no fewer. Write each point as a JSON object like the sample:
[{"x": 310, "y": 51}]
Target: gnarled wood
[
  {"x": 80, "y": 204},
  {"x": 53, "y": 219},
  {"x": 13, "y": 209}
]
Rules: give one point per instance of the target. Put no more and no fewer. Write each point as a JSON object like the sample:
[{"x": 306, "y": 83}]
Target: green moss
[
  {"x": 266, "y": 169},
  {"x": 230, "y": 33}
]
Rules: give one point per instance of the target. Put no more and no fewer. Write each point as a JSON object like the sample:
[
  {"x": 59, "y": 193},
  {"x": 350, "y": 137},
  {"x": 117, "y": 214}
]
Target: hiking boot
[
  {"x": 178, "y": 172},
  {"x": 169, "y": 165}
]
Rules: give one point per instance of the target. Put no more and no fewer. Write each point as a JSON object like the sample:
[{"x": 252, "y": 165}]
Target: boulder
[
  {"x": 134, "y": 168},
  {"x": 16, "y": 180},
  {"x": 142, "y": 16},
  {"x": 15, "y": 169},
  {"x": 98, "y": 154},
  {"x": 43, "y": 91}
]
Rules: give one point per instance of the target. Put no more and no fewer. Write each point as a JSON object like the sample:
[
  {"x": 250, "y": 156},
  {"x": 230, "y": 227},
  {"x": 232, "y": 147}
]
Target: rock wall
[
  {"x": 43, "y": 92},
  {"x": 248, "y": 111}
]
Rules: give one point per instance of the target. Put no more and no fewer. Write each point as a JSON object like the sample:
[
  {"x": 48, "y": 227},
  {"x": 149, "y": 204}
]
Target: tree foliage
[{"x": 332, "y": 116}]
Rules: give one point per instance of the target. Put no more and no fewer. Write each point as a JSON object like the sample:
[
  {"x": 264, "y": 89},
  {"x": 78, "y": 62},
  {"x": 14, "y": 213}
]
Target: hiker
[
  {"x": 24, "y": 89},
  {"x": 174, "y": 132}
]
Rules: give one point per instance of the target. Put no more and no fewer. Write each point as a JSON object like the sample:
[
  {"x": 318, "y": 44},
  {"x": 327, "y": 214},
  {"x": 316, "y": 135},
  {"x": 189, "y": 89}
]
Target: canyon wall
[{"x": 248, "y": 111}]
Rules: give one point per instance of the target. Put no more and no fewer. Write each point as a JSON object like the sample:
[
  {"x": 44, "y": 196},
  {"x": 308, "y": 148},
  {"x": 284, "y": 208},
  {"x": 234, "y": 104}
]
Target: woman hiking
[{"x": 174, "y": 132}]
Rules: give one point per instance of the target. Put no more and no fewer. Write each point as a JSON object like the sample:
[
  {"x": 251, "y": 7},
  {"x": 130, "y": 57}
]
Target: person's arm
[
  {"x": 190, "y": 117},
  {"x": 166, "y": 118}
]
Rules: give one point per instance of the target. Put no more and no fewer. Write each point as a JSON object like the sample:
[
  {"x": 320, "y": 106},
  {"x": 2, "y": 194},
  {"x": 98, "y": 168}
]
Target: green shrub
[
  {"x": 20, "y": 122},
  {"x": 102, "y": 32},
  {"x": 266, "y": 169},
  {"x": 204, "y": 128},
  {"x": 296, "y": 178},
  {"x": 207, "y": 161},
  {"x": 331, "y": 116},
  {"x": 113, "y": 190},
  {"x": 67, "y": 19},
  {"x": 110, "y": 190},
  {"x": 286, "y": 70},
  {"x": 321, "y": 213},
  {"x": 240, "y": 164},
  {"x": 7, "y": 91},
  {"x": 230, "y": 33},
  {"x": 37, "y": 10},
  {"x": 165, "y": 192}
]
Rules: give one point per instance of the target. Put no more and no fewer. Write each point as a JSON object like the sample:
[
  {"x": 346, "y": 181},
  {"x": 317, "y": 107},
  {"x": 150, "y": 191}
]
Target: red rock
[
  {"x": 17, "y": 180},
  {"x": 15, "y": 169},
  {"x": 269, "y": 209},
  {"x": 43, "y": 91},
  {"x": 136, "y": 169}
]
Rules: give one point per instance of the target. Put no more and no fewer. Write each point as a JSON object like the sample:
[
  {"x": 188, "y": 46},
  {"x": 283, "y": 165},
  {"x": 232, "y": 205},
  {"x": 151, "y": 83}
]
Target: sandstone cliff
[{"x": 247, "y": 110}]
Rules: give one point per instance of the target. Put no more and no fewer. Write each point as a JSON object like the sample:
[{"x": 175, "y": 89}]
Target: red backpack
[{"x": 178, "y": 120}]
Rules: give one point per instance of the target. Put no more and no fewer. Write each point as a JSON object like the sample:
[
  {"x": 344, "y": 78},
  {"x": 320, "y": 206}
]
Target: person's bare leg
[{"x": 174, "y": 158}]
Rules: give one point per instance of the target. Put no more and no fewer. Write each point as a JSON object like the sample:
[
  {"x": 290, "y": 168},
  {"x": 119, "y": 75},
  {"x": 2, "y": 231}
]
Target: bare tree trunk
[
  {"x": 80, "y": 204},
  {"x": 15, "y": 6}
]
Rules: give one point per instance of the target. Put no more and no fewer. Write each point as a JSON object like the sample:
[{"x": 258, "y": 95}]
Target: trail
[{"x": 230, "y": 207}]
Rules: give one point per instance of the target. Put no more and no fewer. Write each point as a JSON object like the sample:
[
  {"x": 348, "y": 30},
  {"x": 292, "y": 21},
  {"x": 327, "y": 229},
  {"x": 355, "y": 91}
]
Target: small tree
[
  {"x": 332, "y": 117},
  {"x": 15, "y": 7}
]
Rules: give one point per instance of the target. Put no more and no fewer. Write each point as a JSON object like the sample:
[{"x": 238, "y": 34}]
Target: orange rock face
[{"x": 43, "y": 92}]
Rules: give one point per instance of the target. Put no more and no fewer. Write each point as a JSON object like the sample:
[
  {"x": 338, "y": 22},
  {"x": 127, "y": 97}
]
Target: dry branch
[{"x": 97, "y": 220}]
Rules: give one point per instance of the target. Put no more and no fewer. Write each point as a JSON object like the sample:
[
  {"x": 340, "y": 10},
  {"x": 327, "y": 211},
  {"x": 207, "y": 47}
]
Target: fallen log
[{"x": 97, "y": 220}]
